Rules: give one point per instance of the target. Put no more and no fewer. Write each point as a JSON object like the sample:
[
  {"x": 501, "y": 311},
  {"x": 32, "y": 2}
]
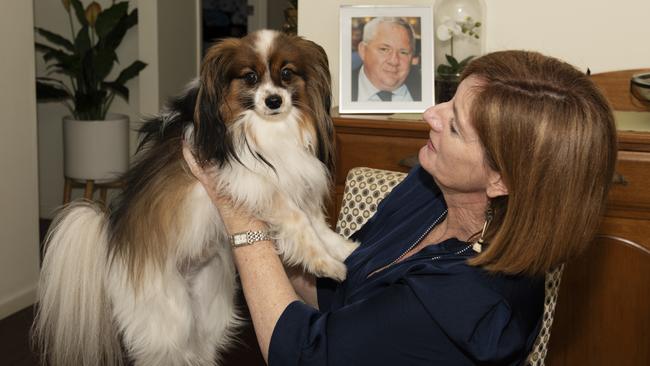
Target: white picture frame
[{"x": 355, "y": 94}]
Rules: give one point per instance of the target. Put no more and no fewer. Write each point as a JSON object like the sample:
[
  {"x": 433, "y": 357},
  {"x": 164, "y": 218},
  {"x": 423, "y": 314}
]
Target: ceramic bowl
[{"x": 640, "y": 86}]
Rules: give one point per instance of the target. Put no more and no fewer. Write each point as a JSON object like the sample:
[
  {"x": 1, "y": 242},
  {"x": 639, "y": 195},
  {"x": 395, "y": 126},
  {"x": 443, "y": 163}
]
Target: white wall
[
  {"x": 50, "y": 15},
  {"x": 18, "y": 164},
  {"x": 603, "y": 35}
]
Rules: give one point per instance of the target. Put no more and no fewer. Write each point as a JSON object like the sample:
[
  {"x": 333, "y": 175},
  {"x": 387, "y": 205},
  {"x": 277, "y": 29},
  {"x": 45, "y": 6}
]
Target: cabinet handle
[{"x": 619, "y": 179}]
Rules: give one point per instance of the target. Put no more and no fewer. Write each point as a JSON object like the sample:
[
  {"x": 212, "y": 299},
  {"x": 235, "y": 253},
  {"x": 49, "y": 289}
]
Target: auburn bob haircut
[{"x": 550, "y": 133}]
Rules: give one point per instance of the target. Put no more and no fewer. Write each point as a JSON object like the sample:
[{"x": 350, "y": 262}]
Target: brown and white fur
[{"x": 152, "y": 279}]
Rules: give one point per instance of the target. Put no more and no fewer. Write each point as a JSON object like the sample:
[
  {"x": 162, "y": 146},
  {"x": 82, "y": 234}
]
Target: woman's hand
[
  {"x": 264, "y": 281},
  {"x": 236, "y": 218}
]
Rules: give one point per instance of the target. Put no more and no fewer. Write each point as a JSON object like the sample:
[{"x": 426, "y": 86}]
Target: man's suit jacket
[{"x": 413, "y": 83}]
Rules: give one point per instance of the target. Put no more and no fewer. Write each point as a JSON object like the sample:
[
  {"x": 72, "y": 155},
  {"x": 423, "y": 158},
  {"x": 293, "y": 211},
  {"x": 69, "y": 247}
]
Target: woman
[{"x": 450, "y": 270}]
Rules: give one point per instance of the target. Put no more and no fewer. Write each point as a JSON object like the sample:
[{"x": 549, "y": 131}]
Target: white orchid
[{"x": 448, "y": 29}]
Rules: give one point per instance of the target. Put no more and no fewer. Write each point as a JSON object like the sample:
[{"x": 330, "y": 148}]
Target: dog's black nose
[{"x": 273, "y": 101}]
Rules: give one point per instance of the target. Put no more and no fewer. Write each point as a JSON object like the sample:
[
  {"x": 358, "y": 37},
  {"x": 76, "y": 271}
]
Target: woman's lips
[{"x": 430, "y": 145}]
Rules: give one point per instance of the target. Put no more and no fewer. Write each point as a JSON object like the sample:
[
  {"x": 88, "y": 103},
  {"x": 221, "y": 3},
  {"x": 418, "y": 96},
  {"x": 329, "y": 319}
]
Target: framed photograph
[{"x": 386, "y": 61}]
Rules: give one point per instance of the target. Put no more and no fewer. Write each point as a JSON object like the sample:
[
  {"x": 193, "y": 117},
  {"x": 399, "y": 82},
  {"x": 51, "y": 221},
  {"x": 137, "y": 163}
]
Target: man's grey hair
[{"x": 370, "y": 29}]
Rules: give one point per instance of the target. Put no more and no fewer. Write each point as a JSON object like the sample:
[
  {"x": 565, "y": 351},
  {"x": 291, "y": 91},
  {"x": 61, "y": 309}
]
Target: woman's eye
[
  {"x": 250, "y": 78},
  {"x": 286, "y": 74},
  {"x": 451, "y": 126}
]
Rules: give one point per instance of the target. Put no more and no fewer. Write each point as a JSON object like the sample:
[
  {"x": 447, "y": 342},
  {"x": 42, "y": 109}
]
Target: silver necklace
[
  {"x": 475, "y": 246},
  {"x": 454, "y": 253},
  {"x": 444, "y": 213}
]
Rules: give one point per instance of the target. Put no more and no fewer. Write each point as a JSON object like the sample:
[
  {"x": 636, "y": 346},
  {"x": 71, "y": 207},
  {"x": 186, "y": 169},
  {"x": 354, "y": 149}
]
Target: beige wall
[
  {"x": 600, "y": 34},
  {"x": 18, "y": 164},
  {"x": 177, "y": 46}
]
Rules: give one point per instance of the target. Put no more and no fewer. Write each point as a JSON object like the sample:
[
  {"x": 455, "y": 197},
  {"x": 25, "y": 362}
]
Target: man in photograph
[{"x": 388, "y": 72}]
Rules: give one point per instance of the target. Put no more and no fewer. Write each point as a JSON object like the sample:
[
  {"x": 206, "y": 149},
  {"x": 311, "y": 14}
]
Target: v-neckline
[{"x": 410, "y": 247}]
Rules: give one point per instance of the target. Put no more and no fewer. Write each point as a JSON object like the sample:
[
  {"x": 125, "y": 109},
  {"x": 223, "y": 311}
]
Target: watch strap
[{"x": 248, "y": 238}]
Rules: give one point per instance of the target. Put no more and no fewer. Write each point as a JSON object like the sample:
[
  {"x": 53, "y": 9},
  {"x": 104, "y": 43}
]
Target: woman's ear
[{"x": 496, "y": 186}]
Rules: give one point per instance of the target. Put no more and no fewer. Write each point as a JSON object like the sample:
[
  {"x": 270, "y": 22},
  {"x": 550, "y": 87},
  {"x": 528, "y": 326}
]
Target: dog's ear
[
  {"x": 212, "y": 142},
  {"x": 319, "y": 92}
]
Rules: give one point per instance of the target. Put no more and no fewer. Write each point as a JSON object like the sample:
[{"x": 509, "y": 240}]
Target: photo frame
[{"x": 389, "y": 72}]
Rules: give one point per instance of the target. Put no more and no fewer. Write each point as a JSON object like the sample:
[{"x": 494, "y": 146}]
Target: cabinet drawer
[{"x": 630, "y": 193}]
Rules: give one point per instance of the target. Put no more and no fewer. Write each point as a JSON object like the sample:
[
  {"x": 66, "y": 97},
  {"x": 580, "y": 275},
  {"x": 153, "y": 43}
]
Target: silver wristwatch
[{"x": 248, "y": 238}]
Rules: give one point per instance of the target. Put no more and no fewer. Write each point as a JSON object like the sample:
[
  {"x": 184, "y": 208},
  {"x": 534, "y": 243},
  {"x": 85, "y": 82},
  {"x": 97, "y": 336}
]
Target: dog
[{"x": 152, "y": 279}]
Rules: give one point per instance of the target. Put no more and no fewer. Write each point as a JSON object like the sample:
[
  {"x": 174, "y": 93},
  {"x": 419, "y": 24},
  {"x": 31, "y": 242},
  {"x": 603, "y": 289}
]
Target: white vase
[{"x": 97, "y": 150}]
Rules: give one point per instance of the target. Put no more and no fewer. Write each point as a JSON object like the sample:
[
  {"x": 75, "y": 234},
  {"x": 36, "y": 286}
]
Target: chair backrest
[{"x": 364, "y": 190}]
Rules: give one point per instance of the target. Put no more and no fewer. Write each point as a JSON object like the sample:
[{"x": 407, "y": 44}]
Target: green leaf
[
  {"x": 445, "y": 69},
  {"x": 114, "y": 37},
  {"x": 50, "y": 80},
  {"x": 47, "y": 92},
  {"x": 102, "y": 64},
  {"x": 82, "y": 42},
  {"x": 45, "y": 49},
  {"x": 452, "y": 61},
  {"x": 465, "y": 61},
  {"x": 130, "y": 72},
  {"x": 80, "y": 12},
  {"x": 88, "y": 106},
  {"x": 56, "y": 39},
  {"x": 118, "y": 89},
  {"x": 57, "y": 69},
  {"x": 64, "y": 59},
  {"x": 110, "y": 17}
]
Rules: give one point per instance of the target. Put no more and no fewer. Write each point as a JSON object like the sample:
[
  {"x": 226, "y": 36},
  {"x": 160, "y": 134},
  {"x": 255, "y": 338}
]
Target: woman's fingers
[
  {"x": 235, "y": 217},
  {"x": 191, "y": 161}
]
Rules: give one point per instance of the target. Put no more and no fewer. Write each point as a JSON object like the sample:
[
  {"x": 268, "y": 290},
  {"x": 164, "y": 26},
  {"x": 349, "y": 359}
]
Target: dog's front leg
[
  {"x": 299, "y": 242},
  {"x": 338, "y": 246}
]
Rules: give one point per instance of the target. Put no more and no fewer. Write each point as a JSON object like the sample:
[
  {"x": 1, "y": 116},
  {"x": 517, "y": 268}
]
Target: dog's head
[{"x": 268, "y": 74}]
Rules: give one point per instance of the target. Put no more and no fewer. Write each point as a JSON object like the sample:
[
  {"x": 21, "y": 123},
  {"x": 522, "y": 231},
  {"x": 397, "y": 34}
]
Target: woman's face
[{"x": 454, "y": 155}]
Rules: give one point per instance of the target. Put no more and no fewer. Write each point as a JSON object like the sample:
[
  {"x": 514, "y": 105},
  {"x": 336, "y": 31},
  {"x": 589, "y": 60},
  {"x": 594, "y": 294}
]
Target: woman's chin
[
  {"x": 424, "y": 158},
  {"x": 424, "y": 154}
]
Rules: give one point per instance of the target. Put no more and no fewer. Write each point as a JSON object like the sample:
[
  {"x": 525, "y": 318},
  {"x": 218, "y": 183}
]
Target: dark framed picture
[{"x": 386, "y": 61}]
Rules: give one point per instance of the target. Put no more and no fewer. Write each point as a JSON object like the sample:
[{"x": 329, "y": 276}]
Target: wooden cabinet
[
  {"x": 375, "y": 142},
  {"x": 603, "y": 311}
]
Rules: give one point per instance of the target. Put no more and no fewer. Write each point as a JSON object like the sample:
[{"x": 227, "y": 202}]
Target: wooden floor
[
  {"x": 15, "y": 335},
  {"x": 15, "y": 348}
]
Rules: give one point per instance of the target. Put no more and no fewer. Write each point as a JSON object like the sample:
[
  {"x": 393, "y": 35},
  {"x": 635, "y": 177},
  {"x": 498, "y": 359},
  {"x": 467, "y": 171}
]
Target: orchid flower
[{"x": 448, "y": 29}]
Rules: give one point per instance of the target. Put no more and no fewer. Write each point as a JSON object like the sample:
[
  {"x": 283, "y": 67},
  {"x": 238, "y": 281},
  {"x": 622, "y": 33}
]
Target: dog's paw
[
  {"x": 328, "y": 267},
  {"x": 349, "y": 246},
  {"x": 338, "y": 246}
]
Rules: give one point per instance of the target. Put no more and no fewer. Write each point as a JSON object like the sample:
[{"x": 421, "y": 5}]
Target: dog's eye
[
  {"x": 250, "y": 78},
  {"x": 286, "y": 74}
]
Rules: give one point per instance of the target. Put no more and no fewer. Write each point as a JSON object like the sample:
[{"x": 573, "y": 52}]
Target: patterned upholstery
[{"x": 366, "y": 187}]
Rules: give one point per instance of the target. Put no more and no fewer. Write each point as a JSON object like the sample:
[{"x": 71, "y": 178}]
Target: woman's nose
[{"x": 432, "y": 117}]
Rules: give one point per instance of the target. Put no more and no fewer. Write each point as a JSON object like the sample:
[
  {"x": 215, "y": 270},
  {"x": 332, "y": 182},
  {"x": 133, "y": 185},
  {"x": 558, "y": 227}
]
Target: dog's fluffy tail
[{"x": 73, "y": 324}]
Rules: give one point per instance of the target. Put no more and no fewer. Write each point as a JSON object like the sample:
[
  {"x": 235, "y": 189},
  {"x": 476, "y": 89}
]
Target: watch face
[
  {"x": 239, "y": 239},
  {"x": 248, "y": 237}
]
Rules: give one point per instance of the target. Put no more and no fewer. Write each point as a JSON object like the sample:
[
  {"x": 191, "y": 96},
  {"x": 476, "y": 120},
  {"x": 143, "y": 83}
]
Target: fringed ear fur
[
  {"x": 320, "y": 98},
  {"x": 212, "y": 143}
]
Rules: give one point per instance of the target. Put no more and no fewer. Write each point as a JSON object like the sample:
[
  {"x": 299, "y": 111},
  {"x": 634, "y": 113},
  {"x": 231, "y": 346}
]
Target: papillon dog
[{"x": 151, "y": 280}]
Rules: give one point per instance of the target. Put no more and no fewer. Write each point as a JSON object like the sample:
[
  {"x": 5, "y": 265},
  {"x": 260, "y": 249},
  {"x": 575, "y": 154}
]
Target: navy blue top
[{"x": 431, "y": 308}]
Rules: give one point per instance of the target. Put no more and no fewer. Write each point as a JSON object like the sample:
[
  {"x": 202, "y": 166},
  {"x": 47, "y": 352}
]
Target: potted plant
[
  {"x": 448, "y": 74},
  {"x": 290, "y": 25},
  {"x": 95, "y": 141}
]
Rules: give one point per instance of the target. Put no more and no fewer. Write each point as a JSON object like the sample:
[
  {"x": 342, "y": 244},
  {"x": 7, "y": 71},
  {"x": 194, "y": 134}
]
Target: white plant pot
[{"x": 97, "y": 150}]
